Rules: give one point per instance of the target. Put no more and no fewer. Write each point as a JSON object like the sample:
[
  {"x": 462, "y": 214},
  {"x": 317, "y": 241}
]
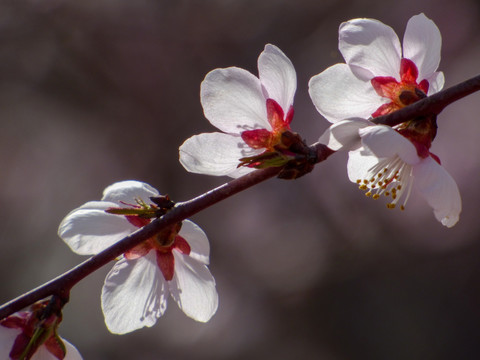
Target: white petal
[
  {"x": 436, "y": 82},
  {"x": 343, "y": 135},
  {"x": 215, "y": 154},
  {"x": 193, "y": 288},
  {"x": 422, "y": 44},
  {"x": 72, "y": 352},
  {"x": 359, "y": 164},
  {"x": 277, "y": 75},
  {"x": 385, "y": 142},
  {"x": 370, "y": 48},
  {"x": 7, "y": 338},
  {"x": 233, "y": 101},
  {"x": 198, "y": 241},
  {"x": 134, "y": 294},
  {"x": 439, "y": 189},
  {"x": 338, "y": 94},
  {"x": 89, "y": 229},
  {"x": 128, "y": 191}
]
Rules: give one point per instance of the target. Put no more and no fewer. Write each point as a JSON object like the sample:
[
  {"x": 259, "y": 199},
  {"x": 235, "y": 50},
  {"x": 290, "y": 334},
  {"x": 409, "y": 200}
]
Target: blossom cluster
[{"x": 254, "y": 116}]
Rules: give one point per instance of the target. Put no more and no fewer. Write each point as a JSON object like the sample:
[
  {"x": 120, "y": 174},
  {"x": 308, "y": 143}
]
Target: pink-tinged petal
[
  {"x": 128, "y": 191},
  {"x": 422, "y": 44},
  {"x": 134, "y": 294},
  {"x": 198, "y": 241},
  {"x": 439, "y": 189},
  {"x": 215, "y": 154},
  {"x": 343, "y": 135},
  {"x": 338, "y": 94},
  {"x": 233, "y": 100},
  {"x": 278, "y": 76},
  {"x": 89, "y": 229},
  {"x": 436, "y": 83},
  {"x": 359, "y": 164},
  {"x": 193, "y": 288},
  {"x": 385, "y": 142},
  {"x": 370, "y": 48}
]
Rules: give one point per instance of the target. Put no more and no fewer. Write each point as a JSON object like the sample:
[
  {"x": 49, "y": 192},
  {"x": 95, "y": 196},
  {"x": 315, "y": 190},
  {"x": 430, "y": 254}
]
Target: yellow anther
[
  {"x": 368, "y": 193},
  {"x": 363, "y": 187},
  {"x": 372, "y": 179},
  {"x": 375, "y": 196},
  {"x": 399, "y": 187},
  {"x": 359, "y": 181},
  {"x": 394, "y": 191},
  {"x": 365, "y": 181},
  {"x": 391, "y": 206},
  {"x": 385, "y": 170},
  {"x": 387, "y": 193},
  {"x": 380, "y": 183},
  {"x": 394, "y": 196},
  {"x": 402, "y": 207}
]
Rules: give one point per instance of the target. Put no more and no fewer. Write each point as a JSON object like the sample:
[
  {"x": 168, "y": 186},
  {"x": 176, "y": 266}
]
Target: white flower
[
  {"x": 378, "y": 77},
  {"x": 251, "y": 112},
  {"x": 174, "y": 262},
  {"x": 383, "y": 162},
  {"x": 20, "y": 333}
]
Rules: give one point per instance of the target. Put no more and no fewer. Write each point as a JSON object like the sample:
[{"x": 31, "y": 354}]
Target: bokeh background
[{"x": 97, "y": 91}]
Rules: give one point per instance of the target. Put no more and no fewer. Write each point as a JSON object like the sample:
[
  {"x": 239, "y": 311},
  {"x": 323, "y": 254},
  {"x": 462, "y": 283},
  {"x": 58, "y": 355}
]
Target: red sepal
[
  {"x": 56, "y": 347},
  {"x": 257, "y": 139},
  {"x": 138, "y": 251},
  {"x": 166, "y": 263},
  {"x": 182, "y": 245},
  {"x": 385, "y": 109},
  {"x": 408, "y": 71},
  {"x": 137, "y": 221},
  {"x": 436, "y": 158},
  {"x": 385, "y": 86},
  {"x": 275, "y": 115}
]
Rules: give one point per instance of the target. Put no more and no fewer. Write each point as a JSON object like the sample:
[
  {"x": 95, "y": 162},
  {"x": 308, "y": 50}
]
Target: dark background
[{"x": 97, "y": 91}]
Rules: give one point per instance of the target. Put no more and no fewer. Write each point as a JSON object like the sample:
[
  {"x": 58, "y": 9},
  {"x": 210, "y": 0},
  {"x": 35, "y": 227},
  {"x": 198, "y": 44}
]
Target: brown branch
[{"x": 62, "y": 284}]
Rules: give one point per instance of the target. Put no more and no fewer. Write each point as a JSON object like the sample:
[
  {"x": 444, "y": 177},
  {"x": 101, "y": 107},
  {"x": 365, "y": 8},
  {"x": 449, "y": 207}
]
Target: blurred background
[{"x": 97, "y": 91}]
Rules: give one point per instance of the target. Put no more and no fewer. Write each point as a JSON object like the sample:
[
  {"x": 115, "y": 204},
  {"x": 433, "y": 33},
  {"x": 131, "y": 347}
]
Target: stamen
[{"x": 391, "y": 177}]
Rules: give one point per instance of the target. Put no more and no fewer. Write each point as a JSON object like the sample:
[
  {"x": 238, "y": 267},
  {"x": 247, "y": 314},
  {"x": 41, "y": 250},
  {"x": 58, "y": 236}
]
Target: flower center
[
  {"x": 391, "y": 177},
  {"x": 265, "y": 139},
  {"x": 164, "y": 242},
  {"x": 402, "y": 93}
]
